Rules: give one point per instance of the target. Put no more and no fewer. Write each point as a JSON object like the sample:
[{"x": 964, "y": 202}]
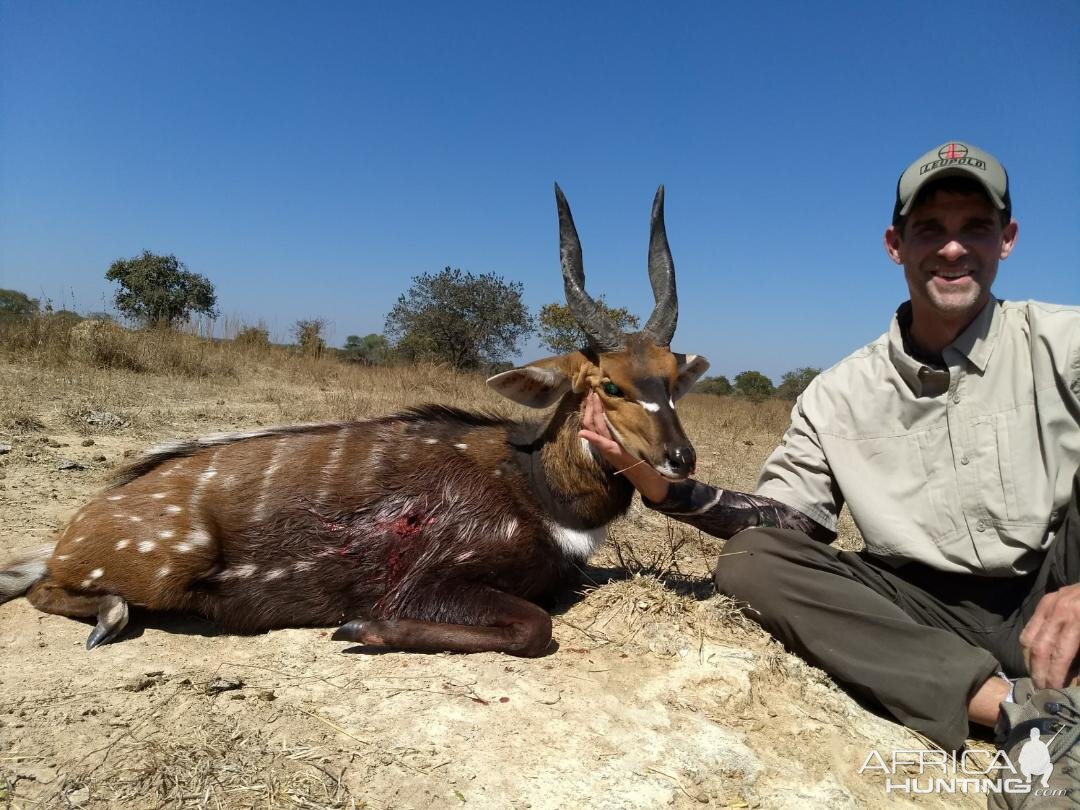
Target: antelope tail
[{"x": 18, "y": 575}]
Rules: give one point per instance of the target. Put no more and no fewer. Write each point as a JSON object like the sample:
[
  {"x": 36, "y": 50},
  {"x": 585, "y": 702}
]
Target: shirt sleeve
[{"x": 797, "y": 473}]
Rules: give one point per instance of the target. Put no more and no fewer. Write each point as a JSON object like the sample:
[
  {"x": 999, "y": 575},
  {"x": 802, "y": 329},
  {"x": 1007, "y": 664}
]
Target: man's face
[{"x": 950, "y": 248}]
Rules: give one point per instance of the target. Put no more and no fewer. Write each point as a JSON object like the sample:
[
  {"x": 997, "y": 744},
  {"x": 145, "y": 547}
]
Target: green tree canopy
[
  {"x": 15, "y": 304},
  {"x": 372, "y": 350},
  {"x": 719, "y": 385},
  {"x": 560, "y": 333},
  {"x": 160, "y": 290},
  {"x": 457, "y": 318},
  {"x": 753, "y": 385},
  {"x": 793, "y": 383}
]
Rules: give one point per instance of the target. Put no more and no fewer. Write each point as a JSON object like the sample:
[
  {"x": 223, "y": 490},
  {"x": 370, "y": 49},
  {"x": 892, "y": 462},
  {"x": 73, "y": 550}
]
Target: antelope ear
[
  {"x": 533, "y": 386},
  {"x": 691, "y": 366}
]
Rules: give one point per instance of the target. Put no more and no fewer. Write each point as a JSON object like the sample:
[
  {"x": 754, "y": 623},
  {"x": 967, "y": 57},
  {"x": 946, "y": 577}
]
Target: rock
[
  {"x": 105, "y": 419},
  {"x": 5, "y": 448},
  {"x": 99, "y": 457},
  {"x": 87, "y": 442},
  {"x": 219, "y": 685},
  {"x": 80, "y": 797},
  {"x": 68, "y": 464}
]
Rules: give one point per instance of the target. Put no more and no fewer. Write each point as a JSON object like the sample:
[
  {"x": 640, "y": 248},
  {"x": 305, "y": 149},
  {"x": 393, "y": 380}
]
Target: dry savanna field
[{"x": 660, "y": 693}]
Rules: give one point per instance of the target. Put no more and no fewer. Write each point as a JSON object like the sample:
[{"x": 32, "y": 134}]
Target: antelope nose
[{"x": 682, "y": 459}]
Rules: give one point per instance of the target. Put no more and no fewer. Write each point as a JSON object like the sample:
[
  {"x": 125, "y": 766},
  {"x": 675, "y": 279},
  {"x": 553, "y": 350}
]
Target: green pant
[{"x": 916, "y": 640}]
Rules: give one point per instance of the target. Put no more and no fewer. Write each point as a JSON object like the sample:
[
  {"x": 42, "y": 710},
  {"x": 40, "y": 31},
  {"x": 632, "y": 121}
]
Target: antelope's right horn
[{"x": 600, "y": 331}]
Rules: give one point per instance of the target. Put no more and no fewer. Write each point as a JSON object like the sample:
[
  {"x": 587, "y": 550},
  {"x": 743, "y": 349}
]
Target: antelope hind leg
[
  {"x": 519, "y": 628},
  {"x": 111, "y": 610}
]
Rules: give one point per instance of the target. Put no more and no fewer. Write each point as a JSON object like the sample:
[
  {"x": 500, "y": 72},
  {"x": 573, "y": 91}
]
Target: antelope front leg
[{"x": 513, "y": 625}]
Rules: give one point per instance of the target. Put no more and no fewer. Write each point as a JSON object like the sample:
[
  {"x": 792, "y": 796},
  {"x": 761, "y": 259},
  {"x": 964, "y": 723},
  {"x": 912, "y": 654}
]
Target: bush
[
  {"x": 753, "y": 385},
  {"x": 720, "y": 386}
]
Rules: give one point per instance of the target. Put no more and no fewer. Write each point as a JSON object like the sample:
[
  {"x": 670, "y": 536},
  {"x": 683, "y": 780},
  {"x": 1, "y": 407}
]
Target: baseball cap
[{"x": 950, "y": 159}]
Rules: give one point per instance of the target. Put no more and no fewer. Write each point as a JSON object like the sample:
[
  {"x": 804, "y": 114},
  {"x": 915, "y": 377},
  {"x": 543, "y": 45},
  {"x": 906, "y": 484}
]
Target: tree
[
  {"x": 793, "y": 383},
  {"x": 309, "y": 334},
  {"x": 457, "y": 318},
  {"x": 15, "y": 304},
  {"x": 371, "y": 350},
  {"x": 560, "y": 333},
  {"x": 160, "y": 290},
  {"x": 753, "y": 385},
  {"x": 721, "y": 386},
  {"x": 253, "y": 337}
]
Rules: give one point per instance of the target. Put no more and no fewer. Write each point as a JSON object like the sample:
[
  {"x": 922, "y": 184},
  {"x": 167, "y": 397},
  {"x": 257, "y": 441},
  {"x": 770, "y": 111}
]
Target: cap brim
[{"x": 951, "y": 171}]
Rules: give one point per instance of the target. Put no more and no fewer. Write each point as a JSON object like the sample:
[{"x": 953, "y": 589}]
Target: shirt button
[
  {"x": 980, "y": 526},
  {"x": 956, "y": 399},
  {"x": 964, "y": 460}
]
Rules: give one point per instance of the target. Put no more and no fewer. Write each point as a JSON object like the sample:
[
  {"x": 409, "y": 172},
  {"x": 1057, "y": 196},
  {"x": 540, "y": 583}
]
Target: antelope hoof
[
  {"x": 359, "y": 630},
  {"x": 112, "y": 619}
]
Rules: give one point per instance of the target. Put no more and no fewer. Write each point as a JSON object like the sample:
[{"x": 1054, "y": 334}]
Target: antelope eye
[{"x": 611, "y": 389}]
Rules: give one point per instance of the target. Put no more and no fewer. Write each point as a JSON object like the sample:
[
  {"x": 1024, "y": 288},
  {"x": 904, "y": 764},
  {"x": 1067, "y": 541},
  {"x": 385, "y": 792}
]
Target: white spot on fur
[
  {"x": 198, "y": 537},
  {"x": 163, "y": 571},
  {"x": 511, "y": 527},
  {"x": 671, "y": 404},
  {"x": 135, "y": 519},
  {"x": 304, "y": 565},
  {"x": 578, "y": 543},
  {"x": 115, "y": 498},
  {"x": 85, "y": 583},
  {"x": 651, "y": 407},
  {"x": 173, "y": 509},
  {"x": 79, "y": 539},
  {"x": 461, "y": 446},
  {"x": 273, "y": 574},
  {"x": 122, "y": 544},
  {"x": 166, "y": 534},
  {"x": 63, "y": 556},
  {"x": 146, "y": 546},
  {"x": 497, "y": 472},
  {"x": 240, "y": 572},
  {"x": 183, "y": 548},
  {"x": 431, "y": 441},
  {"x": 157, "y": 496},
  {"x": 97, "y": 573}
]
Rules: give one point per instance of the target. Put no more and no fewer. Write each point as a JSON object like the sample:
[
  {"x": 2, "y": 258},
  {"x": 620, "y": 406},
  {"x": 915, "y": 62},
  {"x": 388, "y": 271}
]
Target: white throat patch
[{"x": 577, "y": 543}]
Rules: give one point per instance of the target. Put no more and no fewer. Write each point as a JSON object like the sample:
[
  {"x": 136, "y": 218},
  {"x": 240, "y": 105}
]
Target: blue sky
[{"x": 310, "y": 158}]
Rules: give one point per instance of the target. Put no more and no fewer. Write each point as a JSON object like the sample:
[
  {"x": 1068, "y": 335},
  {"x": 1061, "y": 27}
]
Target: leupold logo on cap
[
  {"x": 953, "y": 154},
  {"x": 952, "y": 151}
]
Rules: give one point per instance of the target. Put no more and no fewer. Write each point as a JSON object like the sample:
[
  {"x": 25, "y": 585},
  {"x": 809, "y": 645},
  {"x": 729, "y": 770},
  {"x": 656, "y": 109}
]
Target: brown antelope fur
[{"x": 432, "y": 529}]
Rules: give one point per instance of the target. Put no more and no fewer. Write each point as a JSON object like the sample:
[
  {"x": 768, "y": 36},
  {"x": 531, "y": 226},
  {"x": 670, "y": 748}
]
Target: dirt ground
[{"x": 659, "y": 695}]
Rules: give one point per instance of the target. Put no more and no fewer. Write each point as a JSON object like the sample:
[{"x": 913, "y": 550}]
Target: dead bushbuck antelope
[{"x": 432, "y": 529}]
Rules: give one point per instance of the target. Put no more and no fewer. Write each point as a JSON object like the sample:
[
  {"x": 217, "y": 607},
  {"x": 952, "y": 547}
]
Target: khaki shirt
[{"x": 968, "y": 469}]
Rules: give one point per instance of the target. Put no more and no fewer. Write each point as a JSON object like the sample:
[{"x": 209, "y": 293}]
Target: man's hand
[
  {"x": 1051, "y": 639},
  {"x": 644, "y": 476}
]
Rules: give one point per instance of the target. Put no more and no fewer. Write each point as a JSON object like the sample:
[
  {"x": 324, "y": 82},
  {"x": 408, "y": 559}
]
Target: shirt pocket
[{"x": 1013, "y": 483}]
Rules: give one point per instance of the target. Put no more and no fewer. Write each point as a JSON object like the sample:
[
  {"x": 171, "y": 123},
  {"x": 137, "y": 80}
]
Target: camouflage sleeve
[{"x": 722, "y": 513}]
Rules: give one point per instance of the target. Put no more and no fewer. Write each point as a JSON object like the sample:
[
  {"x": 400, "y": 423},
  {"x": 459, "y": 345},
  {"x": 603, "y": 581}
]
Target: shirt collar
[{"x": 976, "y": 343}]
